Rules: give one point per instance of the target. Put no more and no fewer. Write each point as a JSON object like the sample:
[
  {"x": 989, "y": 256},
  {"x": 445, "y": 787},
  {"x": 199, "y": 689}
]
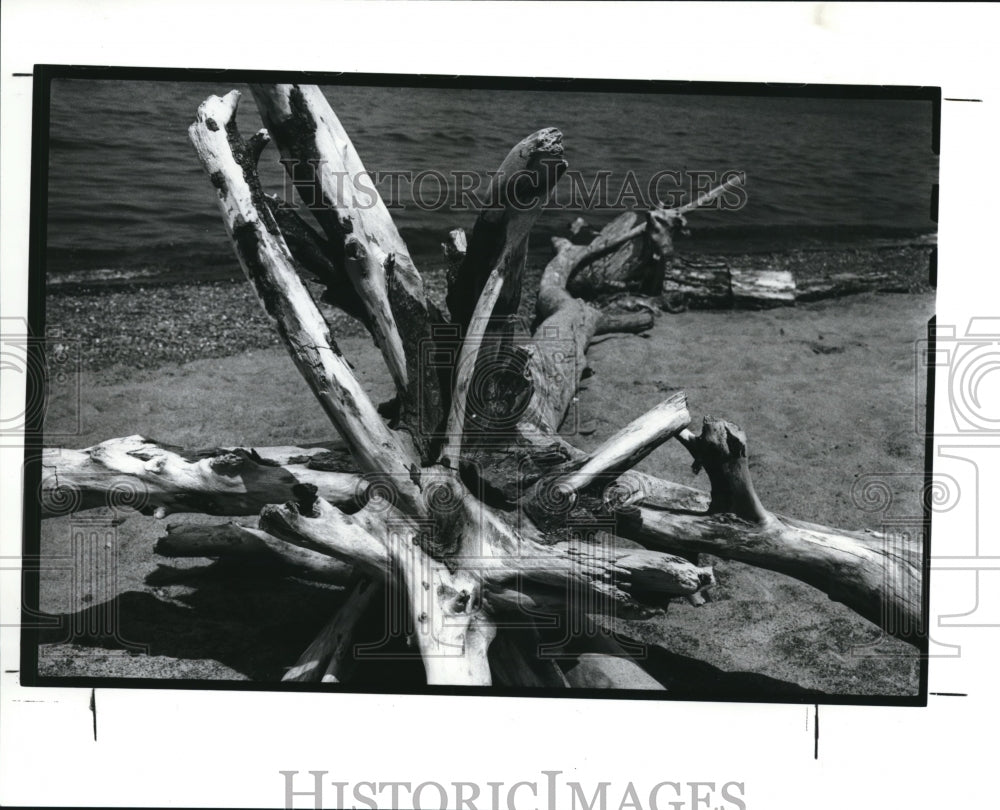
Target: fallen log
[
  {"x": 138, "y": 473},
  {"x": 232, "y": 541},
  {"x": 875, "y": 577},
  {"x": 633, "y": 253},
  {"x": 745, "y": 281}
]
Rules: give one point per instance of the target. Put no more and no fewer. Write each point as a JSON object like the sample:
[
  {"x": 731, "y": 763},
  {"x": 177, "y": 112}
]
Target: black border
[{"x": 30, "y": 598}]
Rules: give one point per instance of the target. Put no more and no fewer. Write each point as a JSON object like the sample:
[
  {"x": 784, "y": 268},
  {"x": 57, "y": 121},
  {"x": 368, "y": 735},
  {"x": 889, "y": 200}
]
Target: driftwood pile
[{"x": 459, "y": 500}]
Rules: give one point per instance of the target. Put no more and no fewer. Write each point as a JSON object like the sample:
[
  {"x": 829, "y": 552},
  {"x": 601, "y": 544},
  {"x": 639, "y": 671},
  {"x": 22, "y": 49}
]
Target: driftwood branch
[
  {"x": 496, "y": 551},
  {"x": 633, "y": 252},
  {"x": 874, "y": 576},
  {"x": 269, "y": 266},
  {"x": 553, "y": 496},
  {"x": 330, "y": 659},
  {"x": 231, "y": 541},
  {"x": 721, "y": 450},
  {"x": 493, "y": 267},
  {"x": 670, "y": 216},
  {"x": 139, "y": 473},
  {"x": 868, "y": 572},
  {"x": 631, "y": 444},
  {"x": 363, "y": 240},
  {"x": 499, "y": 239}
]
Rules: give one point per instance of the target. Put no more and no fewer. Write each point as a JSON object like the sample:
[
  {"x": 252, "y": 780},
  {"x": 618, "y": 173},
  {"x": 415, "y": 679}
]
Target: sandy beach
[{"x": 828, "y": 393}]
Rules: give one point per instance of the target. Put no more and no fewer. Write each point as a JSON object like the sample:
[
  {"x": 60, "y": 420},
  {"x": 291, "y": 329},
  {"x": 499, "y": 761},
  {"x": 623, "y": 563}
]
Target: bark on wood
[
  {"x": 308, "y": 134},
  {"x": 699, "y": 284},
  {"x": 313, "y": 252}
]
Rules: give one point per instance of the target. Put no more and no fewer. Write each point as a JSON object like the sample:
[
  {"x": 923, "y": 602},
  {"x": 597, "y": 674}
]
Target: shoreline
[{"x": 122, "y": 327}]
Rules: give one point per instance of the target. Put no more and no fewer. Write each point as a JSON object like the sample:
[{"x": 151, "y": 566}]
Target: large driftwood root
[{"x": 469, "y": 506}]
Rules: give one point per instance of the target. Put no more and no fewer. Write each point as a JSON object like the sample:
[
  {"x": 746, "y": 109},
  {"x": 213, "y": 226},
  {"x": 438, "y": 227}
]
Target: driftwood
[
  {"x": 468, "y": 504},
  {"x": 635, "y": 255},
  {"x": 153, "y": 478}
]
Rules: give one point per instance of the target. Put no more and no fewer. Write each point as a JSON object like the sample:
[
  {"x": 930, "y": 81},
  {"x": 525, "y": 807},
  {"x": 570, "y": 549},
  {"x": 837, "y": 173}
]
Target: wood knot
[{"x": 306, "y": 496}]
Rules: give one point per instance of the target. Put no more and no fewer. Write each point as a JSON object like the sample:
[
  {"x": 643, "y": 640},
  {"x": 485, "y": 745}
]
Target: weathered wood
[
  {"x": 334, "y": 184},
  {"x": 514, "y": 661},
  {"x": 231, "y": 541},
  {"x": 721, "y": 450},
  {"x": 492, "y": 270},
  {"x": 699, "y": 283},
  {"x": 499, "y": 554},
  {"x": 761, "y": 288},
  {"x": 466, "y": 368},
  {"x": 454, "y": 249},
  {"x": 632, "y": 443},
  {"x": 552, "y": 497},
  {"x": 309, "y": 136},
  {"x": 597, "y": 661},
  {"x": 614, "y": 321},
  {"x": 452, "y": 629},
  {"x": 868, "y": 572},
  {"x": 618, "y": 260},
  {"x": 314, "y": 253},
  {"x": 714, "y": 284},
  {"x": 269, "y": 266},
  {"x": 633, "y": 256},
  {"x": 465, "y": 566},
  {"x": 138, "y": 473},
  {"x": 564, "y": 328},
  {"x": 499, "y": 240}
]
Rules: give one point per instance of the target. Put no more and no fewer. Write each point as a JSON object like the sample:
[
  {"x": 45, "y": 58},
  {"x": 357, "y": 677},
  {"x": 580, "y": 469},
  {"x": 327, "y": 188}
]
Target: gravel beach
[{"x": 124, "y": 327}]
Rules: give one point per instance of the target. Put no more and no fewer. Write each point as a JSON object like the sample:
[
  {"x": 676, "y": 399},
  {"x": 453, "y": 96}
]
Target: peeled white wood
[{"x": 270, "y": 268}]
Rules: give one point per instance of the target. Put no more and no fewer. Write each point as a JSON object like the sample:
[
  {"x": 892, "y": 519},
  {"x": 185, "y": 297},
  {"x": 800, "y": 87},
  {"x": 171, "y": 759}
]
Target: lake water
[{"x": 127, "y": 193}]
